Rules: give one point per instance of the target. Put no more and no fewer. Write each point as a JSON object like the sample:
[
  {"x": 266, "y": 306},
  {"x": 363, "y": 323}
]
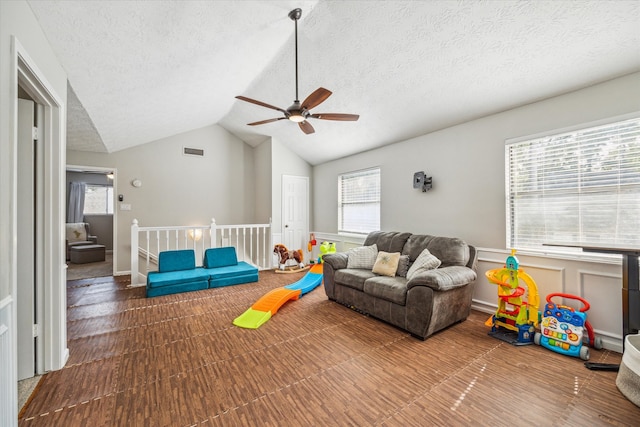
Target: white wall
[
  {"x": 178, "y": 189},
  {"x": 468, "y": 196},
  {"x": 17, "y": 20}
]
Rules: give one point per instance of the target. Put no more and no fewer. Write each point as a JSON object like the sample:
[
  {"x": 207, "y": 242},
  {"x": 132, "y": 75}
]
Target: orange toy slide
[
  {"x": 274, "y": 299},
  {"x": 269, "y": 303}
]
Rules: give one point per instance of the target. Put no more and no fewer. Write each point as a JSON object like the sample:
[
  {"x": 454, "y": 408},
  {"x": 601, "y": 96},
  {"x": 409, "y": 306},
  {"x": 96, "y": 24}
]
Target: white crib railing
[{"x": 251, "y": 241}]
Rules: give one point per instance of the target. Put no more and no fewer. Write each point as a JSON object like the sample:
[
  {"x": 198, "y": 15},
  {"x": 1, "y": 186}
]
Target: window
[
  {"x": 98, "y": 199},
  {"x": 359, "y": 201},
  {"x": 578, "y": 186}
]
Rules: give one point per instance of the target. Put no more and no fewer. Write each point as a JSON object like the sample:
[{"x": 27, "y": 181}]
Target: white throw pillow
[
  {"x": 425, "y": 261},
  {"x": 76, "y": 232},
  {"x": 362, "y": 257},
  {"x": 386, "y": 263}
]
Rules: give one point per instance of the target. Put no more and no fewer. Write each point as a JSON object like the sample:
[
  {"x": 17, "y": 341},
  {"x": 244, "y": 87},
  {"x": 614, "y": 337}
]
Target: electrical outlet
[{"x": 125, "y": 206}]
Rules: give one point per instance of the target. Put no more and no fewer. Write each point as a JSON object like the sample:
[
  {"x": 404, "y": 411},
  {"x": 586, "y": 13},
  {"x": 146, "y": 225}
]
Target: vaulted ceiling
[{"x": 140, "y": 71}]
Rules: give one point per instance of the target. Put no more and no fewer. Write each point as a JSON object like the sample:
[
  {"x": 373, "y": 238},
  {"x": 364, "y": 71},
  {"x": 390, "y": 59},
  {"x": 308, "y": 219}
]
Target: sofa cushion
[
  {"x": 175, "y": 289},
  {"x": 449, "y": 250},
  {"x": 362, "y": 257},
  {"x": 220, "y": 257},
  {"x": 353, "y": 278},
  {"x": 388, "y": 241},
  {"x": 393, "y": 289},
  {"x": 157, "y": 279},
  {"x": 425, "y": 261},
  {"x": 231, "y": 270},
  {"x": 443, "y": 279},
  {"x": 184, "y": 259},
  {"x": 386, "y": 263},
  {"x": 232, "y": 275},
  {"x": 403, "y": 266}
]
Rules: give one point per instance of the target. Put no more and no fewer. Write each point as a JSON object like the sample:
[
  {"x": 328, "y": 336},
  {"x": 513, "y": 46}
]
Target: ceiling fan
[{"x": 299, "y": 112}]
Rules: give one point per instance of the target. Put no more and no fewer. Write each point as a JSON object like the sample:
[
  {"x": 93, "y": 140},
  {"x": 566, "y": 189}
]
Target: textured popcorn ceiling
[{"x": 147, "y": 70}]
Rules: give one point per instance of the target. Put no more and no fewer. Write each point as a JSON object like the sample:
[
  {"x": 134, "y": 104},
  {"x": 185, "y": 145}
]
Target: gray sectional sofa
[{"x": 429, "y": 301}]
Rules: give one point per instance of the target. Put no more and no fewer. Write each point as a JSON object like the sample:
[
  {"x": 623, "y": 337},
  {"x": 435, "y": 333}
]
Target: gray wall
[
  {"x": 467, "y": 165},
  {"x": 101, "y": 226},
  {"x": 178, "y": 189},
  {"x": 468, "y": 197},
  {"x": 262, "y": 182}
]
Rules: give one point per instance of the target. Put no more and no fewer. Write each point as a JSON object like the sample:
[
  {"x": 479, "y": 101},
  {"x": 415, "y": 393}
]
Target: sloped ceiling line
[{"x": 147, "y": 70}]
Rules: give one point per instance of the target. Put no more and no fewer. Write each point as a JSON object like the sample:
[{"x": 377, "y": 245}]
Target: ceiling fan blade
[
  {"x": 262, "y": 104},
  {"x": 316, "y": 98},
  {"x": 306, "y": 127},
  {"x": 336, "y": 116},
  {"x": 266, "y": 121}
]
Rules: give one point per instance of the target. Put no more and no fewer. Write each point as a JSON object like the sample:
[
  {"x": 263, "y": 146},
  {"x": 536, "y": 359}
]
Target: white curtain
[{"x": 76, "y": 202}]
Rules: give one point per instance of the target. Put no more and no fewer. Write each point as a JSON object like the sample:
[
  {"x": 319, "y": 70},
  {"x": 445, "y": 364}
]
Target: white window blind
[
  {"x": 98, "y": 199},
  {"x": 359, "y": 201},
  {"x": 578, "y": 186}
]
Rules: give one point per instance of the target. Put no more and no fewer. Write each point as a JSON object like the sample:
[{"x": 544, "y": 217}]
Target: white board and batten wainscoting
[
  {"x": 8, "y": 380},
  {"x": 343, "y": 243},
  {"x": 595, "y": 278}
]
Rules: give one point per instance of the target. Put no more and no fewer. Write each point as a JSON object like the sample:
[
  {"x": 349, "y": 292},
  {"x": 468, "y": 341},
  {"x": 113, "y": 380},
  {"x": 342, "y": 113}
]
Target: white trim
[
  {"x": 572, "y": 128},
  {"x": 8, "y": 368},
  {"x": 578, "y": 256},
  {"x": 25, "y": 72},
  {"x": 114, "y": 183}
]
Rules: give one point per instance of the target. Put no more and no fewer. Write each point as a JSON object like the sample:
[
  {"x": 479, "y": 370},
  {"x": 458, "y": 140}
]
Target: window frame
[
  {"x": 109, "y": 199},
  {"x": 556, "y": 252},
  {"x": 340, "y": 220}
]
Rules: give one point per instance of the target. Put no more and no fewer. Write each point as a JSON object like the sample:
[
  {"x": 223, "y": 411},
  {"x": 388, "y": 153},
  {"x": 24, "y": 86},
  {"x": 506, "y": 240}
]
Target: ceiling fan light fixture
[{"x": 297, "y": 118}]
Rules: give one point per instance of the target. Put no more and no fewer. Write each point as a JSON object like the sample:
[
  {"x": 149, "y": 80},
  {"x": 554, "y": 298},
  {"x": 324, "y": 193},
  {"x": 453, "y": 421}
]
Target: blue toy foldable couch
[{"x": 177, "y": 271}]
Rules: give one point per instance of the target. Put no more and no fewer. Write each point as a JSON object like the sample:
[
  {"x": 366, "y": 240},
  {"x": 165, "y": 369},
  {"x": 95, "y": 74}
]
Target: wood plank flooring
[{"x": 177, "y": 360}]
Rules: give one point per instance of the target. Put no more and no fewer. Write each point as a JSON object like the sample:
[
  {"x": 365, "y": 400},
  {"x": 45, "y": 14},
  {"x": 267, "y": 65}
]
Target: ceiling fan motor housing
[
  {"x": 296, "y": 113},
  {"x": 295, "y": 14}
]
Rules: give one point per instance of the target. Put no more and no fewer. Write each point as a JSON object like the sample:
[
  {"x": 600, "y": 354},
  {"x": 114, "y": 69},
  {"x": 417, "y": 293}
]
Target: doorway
[
  {"x": 47, "y": 259},
  {"x": 98, "y": 210}
]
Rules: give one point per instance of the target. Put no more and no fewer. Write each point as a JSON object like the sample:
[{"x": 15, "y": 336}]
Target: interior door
[
  {"x": 26, "y": 248},
  {"x": 295, "y": 211}
]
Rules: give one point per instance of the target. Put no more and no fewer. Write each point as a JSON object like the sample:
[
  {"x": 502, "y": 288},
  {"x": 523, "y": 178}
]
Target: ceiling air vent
[{"x": 193, "y": 151}]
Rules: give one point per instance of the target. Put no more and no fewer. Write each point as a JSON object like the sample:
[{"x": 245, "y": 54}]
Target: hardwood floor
[{"x": 177, "y": 360}]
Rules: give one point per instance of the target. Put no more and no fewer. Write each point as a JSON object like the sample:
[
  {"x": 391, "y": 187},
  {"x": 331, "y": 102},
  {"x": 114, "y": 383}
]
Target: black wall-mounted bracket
[{"x": 420, "y": 180}]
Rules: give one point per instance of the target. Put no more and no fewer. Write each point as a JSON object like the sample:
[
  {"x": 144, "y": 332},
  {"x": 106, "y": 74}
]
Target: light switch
[{"x": 125, "y": 206}]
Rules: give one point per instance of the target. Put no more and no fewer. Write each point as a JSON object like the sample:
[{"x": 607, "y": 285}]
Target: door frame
[
  {"x": 282, "y": 205},
  {"x": 114, "y": 219},
  {"x": 50, "y": 260}
]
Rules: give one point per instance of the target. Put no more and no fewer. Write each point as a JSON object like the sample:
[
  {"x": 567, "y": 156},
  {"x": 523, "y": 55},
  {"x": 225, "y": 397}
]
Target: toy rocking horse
[{"x": 285, "y": 255}]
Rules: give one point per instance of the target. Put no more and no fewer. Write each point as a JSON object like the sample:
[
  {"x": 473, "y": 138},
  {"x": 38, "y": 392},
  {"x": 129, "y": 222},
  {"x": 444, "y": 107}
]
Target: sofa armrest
[
  {"x": 332, "y": 263},
  {"x": 93, "y": 239},
  {"x": 444, "y": 279},
  {"x": 337, "y": 261}
]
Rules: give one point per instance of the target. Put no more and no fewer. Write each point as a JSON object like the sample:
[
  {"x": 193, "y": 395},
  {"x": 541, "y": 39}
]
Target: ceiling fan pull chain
[{"x": 296, "y": 22}]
